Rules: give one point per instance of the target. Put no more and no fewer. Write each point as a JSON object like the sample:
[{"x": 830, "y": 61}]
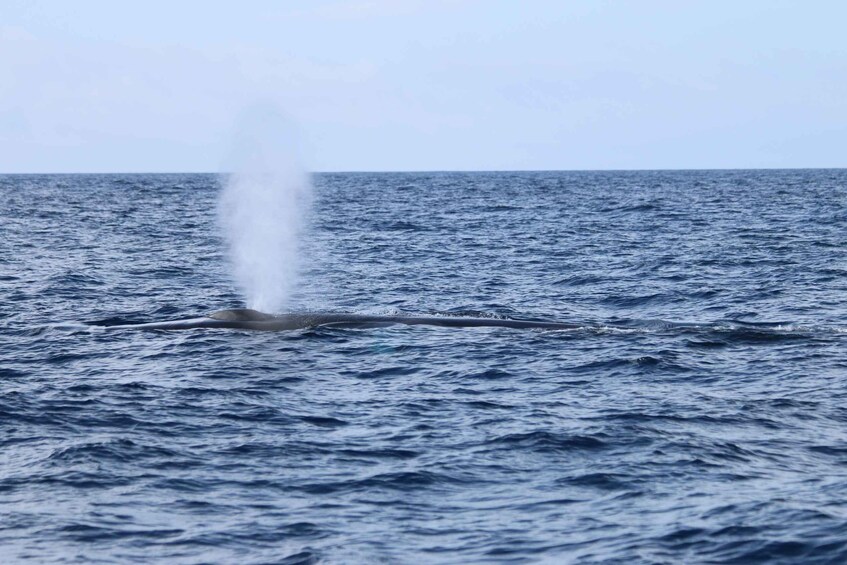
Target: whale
[{"x": 248, "y": 319}]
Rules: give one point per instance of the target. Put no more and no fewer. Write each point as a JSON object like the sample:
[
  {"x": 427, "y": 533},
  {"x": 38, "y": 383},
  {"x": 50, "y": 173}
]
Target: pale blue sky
[{"x": 425, "y": 85}]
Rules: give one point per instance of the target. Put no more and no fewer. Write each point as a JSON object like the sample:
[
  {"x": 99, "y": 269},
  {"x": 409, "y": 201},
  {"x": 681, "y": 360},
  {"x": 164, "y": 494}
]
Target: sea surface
[{"x": 697, "y": 415}]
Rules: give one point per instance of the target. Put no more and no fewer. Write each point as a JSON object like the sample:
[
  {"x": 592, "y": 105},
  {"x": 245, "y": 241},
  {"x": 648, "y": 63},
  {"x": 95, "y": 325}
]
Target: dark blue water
[{"x": 700, "y": 415}]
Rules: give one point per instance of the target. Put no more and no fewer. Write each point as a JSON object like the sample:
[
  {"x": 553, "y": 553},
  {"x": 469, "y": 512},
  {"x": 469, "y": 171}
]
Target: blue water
[{"x": 700, "y": 415}]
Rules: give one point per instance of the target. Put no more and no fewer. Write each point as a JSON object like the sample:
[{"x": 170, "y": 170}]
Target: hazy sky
[{"x": 91, "y": 86}]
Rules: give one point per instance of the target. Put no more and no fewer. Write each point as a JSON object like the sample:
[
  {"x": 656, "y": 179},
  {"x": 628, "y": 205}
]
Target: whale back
[
  {"x": 240, "y": 315},
  {"x": 248, "y": 319}
]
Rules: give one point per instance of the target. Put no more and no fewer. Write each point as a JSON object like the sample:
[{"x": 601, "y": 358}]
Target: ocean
[{"x": 697, "y": 414}]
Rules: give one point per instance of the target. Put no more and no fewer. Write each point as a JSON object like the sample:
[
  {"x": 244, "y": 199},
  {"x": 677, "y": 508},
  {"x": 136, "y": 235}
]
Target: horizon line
[{"x": 430, "y": 171}]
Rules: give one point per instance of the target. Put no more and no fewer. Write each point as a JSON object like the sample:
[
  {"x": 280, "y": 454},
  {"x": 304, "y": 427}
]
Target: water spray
[{"x": 263, "y": 209}]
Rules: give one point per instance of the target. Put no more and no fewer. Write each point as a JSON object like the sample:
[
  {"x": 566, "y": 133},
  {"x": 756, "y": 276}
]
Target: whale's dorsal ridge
[
  {"x": 240, "y": 315},
  {"x": 249, "y": 319}
]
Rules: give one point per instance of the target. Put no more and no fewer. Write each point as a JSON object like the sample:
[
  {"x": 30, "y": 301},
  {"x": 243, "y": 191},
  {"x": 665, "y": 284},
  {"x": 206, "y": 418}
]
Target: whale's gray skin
[{"x": 246, "y": 319}]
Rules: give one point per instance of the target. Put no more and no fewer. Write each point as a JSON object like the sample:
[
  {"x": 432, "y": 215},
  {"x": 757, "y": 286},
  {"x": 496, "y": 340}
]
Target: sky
[{"x": 393, "y": 85}]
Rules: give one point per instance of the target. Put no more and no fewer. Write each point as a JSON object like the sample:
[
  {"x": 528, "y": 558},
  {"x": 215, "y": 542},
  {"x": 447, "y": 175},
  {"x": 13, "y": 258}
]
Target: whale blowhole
[{"x": 240, "y": 315}]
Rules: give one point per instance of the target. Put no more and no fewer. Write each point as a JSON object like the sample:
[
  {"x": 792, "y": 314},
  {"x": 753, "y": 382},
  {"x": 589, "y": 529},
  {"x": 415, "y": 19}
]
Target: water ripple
[{"x": 695, "y": 415}]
